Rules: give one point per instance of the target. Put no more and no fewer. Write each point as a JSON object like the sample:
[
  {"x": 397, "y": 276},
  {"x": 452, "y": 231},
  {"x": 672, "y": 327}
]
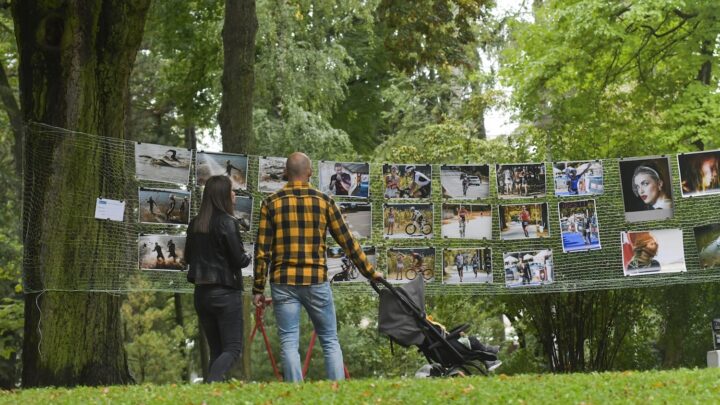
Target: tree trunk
[
  {"x": 238, "y": 79},
  {"x": 75, "y": 61},
  {"x": 16, "y": 123},
  {"x": 236, "y": 125}
]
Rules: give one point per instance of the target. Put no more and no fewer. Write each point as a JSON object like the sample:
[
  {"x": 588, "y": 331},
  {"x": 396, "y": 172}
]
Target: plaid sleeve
[
  {"x": 263, "y": 249},
  {"x": 340, "y": 232}
]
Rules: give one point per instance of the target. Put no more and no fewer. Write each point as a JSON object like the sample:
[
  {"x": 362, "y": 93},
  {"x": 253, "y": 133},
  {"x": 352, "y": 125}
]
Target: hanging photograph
[
  {"x": 162, "y": 163},
  {"x": 579, "y": 226},
  {"x": 466, "y": 182},
  {"x": 160, "y": 206},
  {"x": 345, "y": 179},
  {"x": 467, "y": 221},
  {"x": 521, "y": 180},
  {"x": 407, "y": 181},
  {"x": 652, "y": 252},
  {"x": 405, "y": 264},
  {"x": 342, "y": 269},
  {"x": 222, "y": 164},
  {"x": 402, "y": 221},
  {"x": 161, "y": 252},
  {"x": 578, "y": 178},
  {"x": 358, "y": 217},
  {"x": 524, "y": 221},
  {"x": 528, "y": 268},
  {"x": 271, "y": 174},
  {"x": 646, "y": 189},
  {"x": 243, "y": 212},
  {"x": 249, "y": 270},
  {"x": 699, "y": 173},
  {"x": 467, "y": 265},
  {"x": 707, "y": 240}
]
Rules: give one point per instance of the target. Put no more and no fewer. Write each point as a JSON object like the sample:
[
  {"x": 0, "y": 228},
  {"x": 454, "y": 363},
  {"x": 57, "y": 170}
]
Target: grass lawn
[{"x": 667, "y": 387}]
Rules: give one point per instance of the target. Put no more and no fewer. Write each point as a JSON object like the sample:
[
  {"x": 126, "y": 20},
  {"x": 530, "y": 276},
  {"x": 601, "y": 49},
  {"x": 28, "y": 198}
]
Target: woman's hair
[
  {"x": 653, "y": 173},
  {"x": 216, "y": 198}
]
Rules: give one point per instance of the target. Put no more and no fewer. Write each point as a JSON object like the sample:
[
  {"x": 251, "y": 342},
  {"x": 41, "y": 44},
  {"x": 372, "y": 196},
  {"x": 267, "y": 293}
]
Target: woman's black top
[{"x": 216, "y": 257}]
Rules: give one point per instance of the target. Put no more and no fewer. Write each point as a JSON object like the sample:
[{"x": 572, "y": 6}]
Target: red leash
[
  {"x": 259, "y": 312},
  {"x": 259, "y": 324},
  {"x": 308, "y": 356}
]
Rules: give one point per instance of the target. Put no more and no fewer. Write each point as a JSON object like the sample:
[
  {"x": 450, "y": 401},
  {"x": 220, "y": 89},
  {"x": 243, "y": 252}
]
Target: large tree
[
  {"x": 238, "y": 79},
  {"x": 75, "y": 61}
]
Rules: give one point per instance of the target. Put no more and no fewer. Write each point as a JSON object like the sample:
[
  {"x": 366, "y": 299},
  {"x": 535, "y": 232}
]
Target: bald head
[{"x": 298, "y": 167}]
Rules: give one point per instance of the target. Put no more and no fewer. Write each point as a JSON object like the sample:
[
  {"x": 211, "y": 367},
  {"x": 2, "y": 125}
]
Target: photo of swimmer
[
  {"x": 160, "y": 206},
  {"x": 213, "y": 164},
  {"x": 167, "y": 164}
]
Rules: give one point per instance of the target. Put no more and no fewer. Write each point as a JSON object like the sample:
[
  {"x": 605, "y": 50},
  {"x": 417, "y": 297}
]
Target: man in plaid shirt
[{"x": 291, "y": 249}]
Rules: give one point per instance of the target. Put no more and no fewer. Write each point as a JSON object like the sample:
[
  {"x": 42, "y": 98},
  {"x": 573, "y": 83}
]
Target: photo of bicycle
[
  {"x": 465, "y": 182},
  {"x": 406, "y": 264},
  {"x": 407, "y": 181},
  {"x": 340, "y": 267},
  {"x": 408, "y": 221},
  {"x": 466, "y": 221}
]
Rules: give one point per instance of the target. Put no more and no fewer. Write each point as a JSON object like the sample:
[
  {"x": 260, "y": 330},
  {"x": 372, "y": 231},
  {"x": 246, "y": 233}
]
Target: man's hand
[
  {"x": 378, "y": 275},
  {"x": 259, "y": 300}
]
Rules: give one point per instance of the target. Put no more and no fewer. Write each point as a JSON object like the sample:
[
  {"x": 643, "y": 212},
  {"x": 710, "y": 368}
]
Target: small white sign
[{"x": 109, "y": 209}]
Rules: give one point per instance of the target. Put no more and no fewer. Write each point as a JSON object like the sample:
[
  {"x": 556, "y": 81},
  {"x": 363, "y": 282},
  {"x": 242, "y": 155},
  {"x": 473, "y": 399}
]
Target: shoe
[{"x": 492, "y": 365}]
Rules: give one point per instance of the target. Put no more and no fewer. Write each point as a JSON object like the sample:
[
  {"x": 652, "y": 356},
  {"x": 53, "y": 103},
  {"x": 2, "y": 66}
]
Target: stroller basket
[{"x": 402, "y": 318}]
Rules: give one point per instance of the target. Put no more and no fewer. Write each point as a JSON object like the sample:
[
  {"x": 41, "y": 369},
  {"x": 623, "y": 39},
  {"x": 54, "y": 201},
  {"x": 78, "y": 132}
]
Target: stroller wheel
[{"x": 429, "y": 370}]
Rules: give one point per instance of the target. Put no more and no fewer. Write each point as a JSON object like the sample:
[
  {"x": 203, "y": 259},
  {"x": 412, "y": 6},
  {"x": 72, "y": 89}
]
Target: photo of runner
[
  {"x": 523, "y": 221},
  {"x": 210, "y": 164},
  {"x": 520, "y": 180},
  {"x": 579, "y": 226},
  {"x": 466, "y": 221},
  {"x": 161, "y": 252},
  {"x": 467, "y": 265},
  {"x": 466, "y": 182},
  {"x": 578, "y": 178},
  {"x": 344, "y": 179},
  {"x": 161, "y": 206},
  {"x": 528, "y": 268}
]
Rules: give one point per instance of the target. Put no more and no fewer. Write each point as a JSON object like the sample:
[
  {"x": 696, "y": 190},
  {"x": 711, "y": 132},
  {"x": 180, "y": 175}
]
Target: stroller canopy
[{"x": 399, "y": 313}]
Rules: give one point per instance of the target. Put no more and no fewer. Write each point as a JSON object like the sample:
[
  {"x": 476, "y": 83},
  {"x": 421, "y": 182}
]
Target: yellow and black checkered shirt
[{"x": 291, "y": 237}]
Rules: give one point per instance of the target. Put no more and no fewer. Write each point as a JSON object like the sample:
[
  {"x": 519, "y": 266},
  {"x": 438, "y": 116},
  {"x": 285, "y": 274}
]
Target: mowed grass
[{"x": 663, "y": 387}]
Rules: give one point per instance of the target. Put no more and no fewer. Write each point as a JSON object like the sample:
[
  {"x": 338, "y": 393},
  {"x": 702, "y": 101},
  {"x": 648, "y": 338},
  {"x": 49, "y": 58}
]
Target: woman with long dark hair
[{"x": 216, "y": 256}]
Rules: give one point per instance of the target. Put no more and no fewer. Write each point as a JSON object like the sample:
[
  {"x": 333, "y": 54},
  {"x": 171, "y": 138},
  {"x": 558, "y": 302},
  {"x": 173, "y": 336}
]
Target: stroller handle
[{"x": 374, "y": 284}]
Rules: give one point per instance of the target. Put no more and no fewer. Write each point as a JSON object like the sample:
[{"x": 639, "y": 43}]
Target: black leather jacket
[{"x": 216, "y": 257}]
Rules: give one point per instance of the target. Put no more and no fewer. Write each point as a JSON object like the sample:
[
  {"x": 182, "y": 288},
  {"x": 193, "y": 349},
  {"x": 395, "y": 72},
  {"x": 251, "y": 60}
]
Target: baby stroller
[{"x": 402, "y": 318}]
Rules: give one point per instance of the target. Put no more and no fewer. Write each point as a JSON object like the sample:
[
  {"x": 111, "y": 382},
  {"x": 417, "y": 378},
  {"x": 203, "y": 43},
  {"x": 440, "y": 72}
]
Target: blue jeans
[{"x": 318, "y": 302}]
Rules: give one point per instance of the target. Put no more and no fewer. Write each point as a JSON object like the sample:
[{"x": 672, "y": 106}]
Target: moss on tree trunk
[{"x": 75, "y": 61}]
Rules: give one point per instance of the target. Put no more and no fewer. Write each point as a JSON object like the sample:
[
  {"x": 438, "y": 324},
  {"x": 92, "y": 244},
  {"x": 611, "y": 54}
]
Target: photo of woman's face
[{"x": 648, "y": 189}]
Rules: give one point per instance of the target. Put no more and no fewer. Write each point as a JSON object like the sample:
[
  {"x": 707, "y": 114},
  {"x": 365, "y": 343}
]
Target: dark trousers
[{"x": 220, "y": 312}]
